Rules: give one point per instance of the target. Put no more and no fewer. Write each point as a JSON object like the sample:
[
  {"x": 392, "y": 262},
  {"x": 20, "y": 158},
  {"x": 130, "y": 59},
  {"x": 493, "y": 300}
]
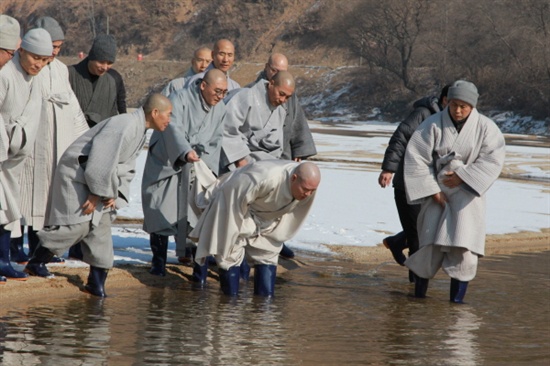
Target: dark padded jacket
[{"x": 395, "y": 152}]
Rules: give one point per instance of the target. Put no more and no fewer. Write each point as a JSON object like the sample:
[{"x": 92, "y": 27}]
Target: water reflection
[{"x": 324, "y": 314}]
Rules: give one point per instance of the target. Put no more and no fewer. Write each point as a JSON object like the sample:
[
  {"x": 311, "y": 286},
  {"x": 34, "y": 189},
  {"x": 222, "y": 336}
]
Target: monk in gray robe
[
  {"x": 298, "y": 142},
  {"x": 254, "y": 121},
  {"x": 20, "y": 111},
  {"x": 92, "y": 180},
  {"x": 451, "y": 161},
  {"x": 195, "y": 132},
  {"x": 223, "y": 57},
  {"x": 202, "y": 57},
  {"x": 251, "y": 212},
  {"x": 62, "y": 122}
]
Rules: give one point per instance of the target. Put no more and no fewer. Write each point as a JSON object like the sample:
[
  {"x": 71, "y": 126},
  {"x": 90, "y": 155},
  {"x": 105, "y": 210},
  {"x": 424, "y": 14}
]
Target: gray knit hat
[
  {"x": 38, "y": 41},
  {"x": 52, "y": 26},
  {"x": 9, "y": 32},
  {"x": 464, "y": 91},
  {"x": 103, "y": 49}
]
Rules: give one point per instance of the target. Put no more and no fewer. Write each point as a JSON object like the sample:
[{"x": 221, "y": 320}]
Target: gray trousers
[{"x": 97, "y": 242}]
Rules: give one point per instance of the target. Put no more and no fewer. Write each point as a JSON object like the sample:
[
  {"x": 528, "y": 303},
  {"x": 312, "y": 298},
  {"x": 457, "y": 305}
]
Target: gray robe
[
  {"x": 251, "y": 206},
  {"x": 177, "y": 83},
  {"x": 297, "y": 139},
  {"x": 100, "y": 162},
  {"x": 20, "y": 111},
  {"x": 476, "y": 155},
  {"x": 62, "y": 122},
  {"x": 165, "y": 181},
  {"x": 252, "y": 126}
]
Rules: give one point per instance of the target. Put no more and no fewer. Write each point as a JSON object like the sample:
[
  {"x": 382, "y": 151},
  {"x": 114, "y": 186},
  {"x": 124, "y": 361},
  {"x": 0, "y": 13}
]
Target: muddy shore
[{"x": 132, "y": 277}]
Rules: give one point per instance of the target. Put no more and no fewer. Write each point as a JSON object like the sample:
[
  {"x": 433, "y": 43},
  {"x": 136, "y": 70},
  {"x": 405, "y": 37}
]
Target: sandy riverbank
[{"x": 69, "y": 280}]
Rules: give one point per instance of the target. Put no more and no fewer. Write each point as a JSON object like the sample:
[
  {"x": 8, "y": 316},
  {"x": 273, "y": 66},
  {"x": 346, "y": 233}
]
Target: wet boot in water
[
  {"x": 264, "y": 279},
  {"x": 37, "y": 263},
  {"x": 458, "y": 291},
  {"x": 229, "y": 280},
  {"x": 159, "y": 247},
  {"x": 420, "y": 287},
  {"x": 96, "y": 281}
]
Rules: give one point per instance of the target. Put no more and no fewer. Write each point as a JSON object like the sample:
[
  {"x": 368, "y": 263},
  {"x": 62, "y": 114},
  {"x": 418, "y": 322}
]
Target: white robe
[
  {"x": 62, "y": 123},
  {"x": 251, "y": 206},
  {"x": 20, "y": 110},
  {"x": 476, "y": 155},
  {"x": 253, "y": 126}
]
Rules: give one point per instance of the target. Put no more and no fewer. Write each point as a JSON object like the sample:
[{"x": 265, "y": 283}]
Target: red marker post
[{"x": 140, "y": 57}]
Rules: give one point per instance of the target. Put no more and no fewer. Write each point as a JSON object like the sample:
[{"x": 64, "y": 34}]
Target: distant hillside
[{"x": 359, "y": 58}]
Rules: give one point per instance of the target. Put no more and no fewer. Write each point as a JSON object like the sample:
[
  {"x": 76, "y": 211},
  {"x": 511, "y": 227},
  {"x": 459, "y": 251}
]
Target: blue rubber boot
[
  {"x": 245, "y": 270},
  {"x": 264, "y": 279},
  {"x": 17, "y": 253},
  {"x": 3, "y": 280},
  {"x": 6, "y": 269},
  {"x": 37, "y": 263},
  {"x": 96, "y": 281},
  {"x": 420, "y": 287},
  {"x": 229, "y": 280},
  {"x": 458, "y": 291},
  {"x": 159, "y": 247},
  {"x": 200, "y": 273}
]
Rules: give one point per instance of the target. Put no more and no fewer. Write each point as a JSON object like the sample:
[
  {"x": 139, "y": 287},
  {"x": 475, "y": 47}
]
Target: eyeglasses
[
  {"x": 219, "y": 92},
  {"x": 10, "y": 53}
]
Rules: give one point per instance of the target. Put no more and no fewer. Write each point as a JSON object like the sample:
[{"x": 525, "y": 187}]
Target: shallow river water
[{"x": 329, "y": 312}]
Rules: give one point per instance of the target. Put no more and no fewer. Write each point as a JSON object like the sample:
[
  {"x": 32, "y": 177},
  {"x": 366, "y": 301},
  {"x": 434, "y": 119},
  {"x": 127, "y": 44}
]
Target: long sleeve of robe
[
  {"x": 252, "y": 125},
  {"x": 253, "y": 203},
  {"x": 100, "y": 162},
  {"x": 477, "y": 156},
  {"x": 62, "y": 122},
  {"x": 166, "y": 175}
]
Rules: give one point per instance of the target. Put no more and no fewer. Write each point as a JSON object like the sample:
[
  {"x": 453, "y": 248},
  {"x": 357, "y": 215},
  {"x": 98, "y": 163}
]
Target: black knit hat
[{"x": 103, "y": 49}]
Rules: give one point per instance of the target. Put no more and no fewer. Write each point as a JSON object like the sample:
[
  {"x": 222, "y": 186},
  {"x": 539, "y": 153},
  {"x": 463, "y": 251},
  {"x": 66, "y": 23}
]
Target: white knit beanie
[{"x": 9, "y": 32}]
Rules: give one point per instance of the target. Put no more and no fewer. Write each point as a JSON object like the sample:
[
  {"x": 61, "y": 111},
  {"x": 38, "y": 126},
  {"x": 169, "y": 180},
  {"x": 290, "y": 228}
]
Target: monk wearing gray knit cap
[{"x": 9, "y": 38}]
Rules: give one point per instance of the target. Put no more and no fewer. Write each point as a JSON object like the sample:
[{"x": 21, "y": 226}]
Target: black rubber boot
[
  {"x": 75, "y": 252},
  {"x": 96, "y": 281},
  {"x": 286, "y": 252},
  {"x": 159, "y": 247},
  {"x": 37, "y": 263},
  {"x": 17, "y": 253},
  {"x": 264, "y": 279},
  {"x": 396, "y": 244},
  {"x": 32, "y": 235},
  {"x": 229, "y": 280},
  {"x": 6, "y": 269},
  {"x": 458, "y": 291},
  {"x": 420, "y": 287}
]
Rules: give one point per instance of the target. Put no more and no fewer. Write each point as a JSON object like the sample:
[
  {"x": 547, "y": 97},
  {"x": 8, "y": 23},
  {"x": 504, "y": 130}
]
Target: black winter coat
[{"x": 395, "y": 152}]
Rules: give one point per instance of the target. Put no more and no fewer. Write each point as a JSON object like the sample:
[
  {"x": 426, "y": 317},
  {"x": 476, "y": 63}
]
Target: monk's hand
[
  {"x": 440, "y": 198},
  {"x": 91, "y": 203},
  {"x": 240, "y": 163},
  {"x": 452, "y": 180},
  {"x": 385, "y": 178},
  {"x": 192, "y": 157},
  {"x": 109, "y": 202}
]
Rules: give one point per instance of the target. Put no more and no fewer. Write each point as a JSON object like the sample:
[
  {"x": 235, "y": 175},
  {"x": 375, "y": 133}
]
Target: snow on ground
[{"x": 350, "y": 207}]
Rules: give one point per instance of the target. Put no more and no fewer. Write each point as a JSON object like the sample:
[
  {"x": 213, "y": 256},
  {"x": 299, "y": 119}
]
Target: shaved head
[
  {"x": 202, "y": 57},
  {"x": 156, "y": 101},
  {"x": 214, "y": 75},
  {"x": 276, "y": 62},
  {"x": 223, "y": 55},
  {"x": 201, "y": 50},
  {"x": 284, "y": 78},
  {"x": 304, "y": 180},
  {"x": 214, "y": 86}
]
